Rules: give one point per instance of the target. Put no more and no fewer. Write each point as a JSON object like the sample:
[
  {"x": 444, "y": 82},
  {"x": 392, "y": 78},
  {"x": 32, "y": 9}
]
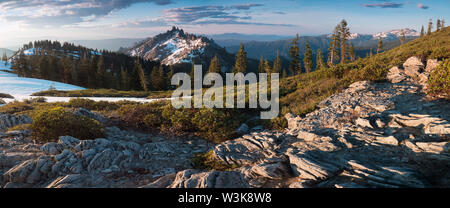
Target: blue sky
[{"x": 27, "y": 20}]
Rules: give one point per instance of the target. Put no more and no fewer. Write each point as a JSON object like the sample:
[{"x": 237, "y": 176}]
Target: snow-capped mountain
[
  {"x": 175, "y": 46},
  {"x": 390, "y": 35}
]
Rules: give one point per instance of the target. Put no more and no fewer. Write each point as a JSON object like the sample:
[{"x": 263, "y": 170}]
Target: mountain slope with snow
[{"x": 175, "y": 46}]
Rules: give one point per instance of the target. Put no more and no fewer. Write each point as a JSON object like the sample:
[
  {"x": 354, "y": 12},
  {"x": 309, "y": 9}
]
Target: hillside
[{"x": 301, "y": 94}]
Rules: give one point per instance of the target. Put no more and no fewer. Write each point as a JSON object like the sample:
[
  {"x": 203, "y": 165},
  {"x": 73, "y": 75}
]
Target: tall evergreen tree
[
  {"x": 438, "y": 25},
  {"x": 261, "y": 65},
  {"x": 241, "y": 61},
  {"x": 380, "y": 45},
  {"x": 334, "y": 46},
  {"x": 67, "y": 67},
  {"x": 124, "y": 80},
  {"x": 214, "y": 66},
  {"x": 443, "y": 24},
  {"x": 170, "y": 75},
  {"x": 422, "y": 32},
  {"x": 277, "y": 64},
  {"x": 320, "y": 63},
  {"x": 430, "y": 27},
  {"x": 345, "y": 34},
  {"x": 351, "y": 52},
  {"x": 308, "y": 58},
  {"x": 141, "y": 75},
  {"x": 294, "y": 54},
  {"x": 83, "y": 77},
  {"x": 402, "y": 38},
  {"x": 101, "y": 72}
]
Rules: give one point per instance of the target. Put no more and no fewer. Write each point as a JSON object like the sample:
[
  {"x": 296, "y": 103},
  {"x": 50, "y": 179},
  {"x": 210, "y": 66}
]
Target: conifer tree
[
  {"x": 294, "y": 54},
  {"x": 351, "y": 52},
  {"x": 345, "y": 34},
  {"x": 67, "y": 67},
  {"x": 438, "y": 25},
  {"x": 141, "y": 75},
  {"x": 84, "y": 72},
  {"x": 284, "y": 74},
  {"x": 170, "y": 75},
  {"x": 241, "y": 61},
  {"x": 380, "y": 45},
  {"x": 430, "y": 27},
  {"x": 334, "y": 46},
  {"x": 267, "y": 69},
  {"x": 277, "y": 64},
  {"x": 214, "y": 66},
  {"x": 74, "y": 72},
  {"x": 261, "y": 65},
  {"x": 124, "y": 82},
  {"x": 443, "y": 24},
  {"x": 320, "y": 63},
  {"x": 308, "y": 59},
  {"x": 422, "y": 32},
  {"x": 101, "y": 72},
  {"x": 402, "y": 38}
]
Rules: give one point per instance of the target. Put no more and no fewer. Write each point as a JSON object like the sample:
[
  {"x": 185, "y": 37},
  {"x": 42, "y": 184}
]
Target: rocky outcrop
[
  {"x": 413, "y": 66},
  {"x": 8, "y": 120},
  {"x": 123, "y": 159}
]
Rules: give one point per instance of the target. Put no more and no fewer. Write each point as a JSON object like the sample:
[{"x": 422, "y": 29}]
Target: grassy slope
[{"x": 300, "y": 94}]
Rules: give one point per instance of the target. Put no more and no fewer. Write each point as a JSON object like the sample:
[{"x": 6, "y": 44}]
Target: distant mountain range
[{"x": 362, "y": 42}]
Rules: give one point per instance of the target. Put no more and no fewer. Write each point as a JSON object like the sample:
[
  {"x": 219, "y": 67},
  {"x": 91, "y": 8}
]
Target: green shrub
[
  {"x": 207, "y": 161},
  {"x": 92, "y": 105},
  {"x": 180, "y": 119},
  {"x": 142, "y": 116},
  {"x": 49, "y": 125},
  {"x": 20, "y": 127},
  {"x": 215, "y": 125},
  {"x": 15, "y": 107},
  {"x": 279, "y": 123},
  {"x": 439, "y": 53},
  {"x": 439, "y": 80}
]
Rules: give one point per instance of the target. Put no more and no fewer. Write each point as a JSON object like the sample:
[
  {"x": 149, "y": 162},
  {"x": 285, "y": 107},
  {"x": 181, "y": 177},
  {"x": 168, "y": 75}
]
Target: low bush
[
  {"x": 15, "y": 107},
  {"x": 93, "y": 93},
  {"x": 439, "y": 80},
  {"x": 49, "y": 125},
  {"x": 21, "y": 127},
  {"x": 92, "y": 105},
  {"x": 207, "y": 161},
  {"x": 216, "y": 125}
]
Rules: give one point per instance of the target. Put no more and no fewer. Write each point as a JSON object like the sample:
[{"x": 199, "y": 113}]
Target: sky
[{"x": 26, "y": 20}]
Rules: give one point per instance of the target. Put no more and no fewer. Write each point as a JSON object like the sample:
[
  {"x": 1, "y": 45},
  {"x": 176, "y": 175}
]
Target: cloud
[
  {"x": 223, "y": 15},
  {"x": 63, "y": 12},
  {"x": 384, "y": 5},
  {"x": 421, "y": 6}
]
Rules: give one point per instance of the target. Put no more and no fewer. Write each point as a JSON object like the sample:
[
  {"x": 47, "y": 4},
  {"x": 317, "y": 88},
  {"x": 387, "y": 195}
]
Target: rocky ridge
[{"x": 369, "y": 135}]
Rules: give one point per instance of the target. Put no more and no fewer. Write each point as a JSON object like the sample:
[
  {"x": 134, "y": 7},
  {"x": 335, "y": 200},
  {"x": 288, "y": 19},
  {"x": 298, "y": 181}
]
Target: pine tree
[
  {"x": 74, "y": 73},
  {"x": 124, "y": 80},
  {"x": 241, "y": 61},
  {"x": 284, "y": 74},
  {"x": 277, "y": 64},
  {"x": 294, "y": 54},
  {"x": 443, "y": 24},
  {"x": 170, "y": 75},
  {"x": 320, "y": 63},
  {"x": 334, "y": 46},
  {"x": 84, "y": 72},
  {"x": 141, "y": 75},
  {"x": 214, "y": 66},
  {"x": 422, "y": 32},
  {"x": 351, "y": 52},
  {"x": 101, "y": 72},
  {"x": 402, "y": 38},
  {"x": 261, "y": 65},
  {"x": 430, "y": 27},
  {"x": 267, "y": 69},
  {"x": 308, "y": 59},
  {"x": 67, "y": 67},
  {"x": 438, "y": 25},
  {"x": 345, "y": 34},
  {"x": 380, "y": 45}
]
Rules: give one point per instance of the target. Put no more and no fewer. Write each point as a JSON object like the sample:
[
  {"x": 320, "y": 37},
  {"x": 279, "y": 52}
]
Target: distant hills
[{"x": 107, "y": 44}]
